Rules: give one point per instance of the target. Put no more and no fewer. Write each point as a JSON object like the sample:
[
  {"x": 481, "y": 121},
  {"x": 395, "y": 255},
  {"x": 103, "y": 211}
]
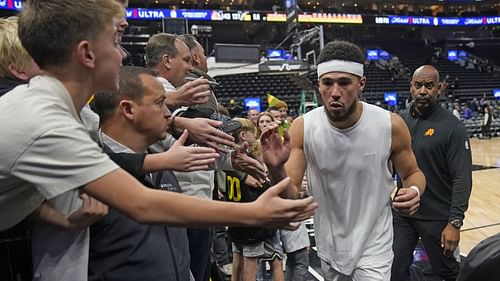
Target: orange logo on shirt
[{"x": 429, "y": 132}]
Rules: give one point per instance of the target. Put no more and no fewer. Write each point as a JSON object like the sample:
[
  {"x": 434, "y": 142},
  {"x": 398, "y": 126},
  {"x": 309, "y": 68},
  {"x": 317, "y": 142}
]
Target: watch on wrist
[{"x": 457, "y": 223}]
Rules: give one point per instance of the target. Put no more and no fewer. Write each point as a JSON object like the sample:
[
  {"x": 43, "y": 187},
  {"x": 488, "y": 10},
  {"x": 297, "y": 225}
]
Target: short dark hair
[
  {"x": 131, "y": 87},
  {"x": 189, "y": 40},
  {"x": 158, "y": 45},
  {"x": 49, "y": 29},
  {"x": 341, "y": 50}
]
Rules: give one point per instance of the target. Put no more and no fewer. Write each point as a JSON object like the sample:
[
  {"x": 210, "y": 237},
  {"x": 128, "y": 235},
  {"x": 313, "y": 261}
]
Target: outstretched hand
[
  {"x": 242, "y": 162},
  {"x": 205, "y": 133},
  {"x": 275, "y": 151},
  {"x": 190, "y": 158},
  {"x": 275, "y": 212}
]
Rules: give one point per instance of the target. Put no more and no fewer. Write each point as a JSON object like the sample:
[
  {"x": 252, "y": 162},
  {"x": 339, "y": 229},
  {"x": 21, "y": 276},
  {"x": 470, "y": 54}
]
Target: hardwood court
[{"x": 483, "y": 216}]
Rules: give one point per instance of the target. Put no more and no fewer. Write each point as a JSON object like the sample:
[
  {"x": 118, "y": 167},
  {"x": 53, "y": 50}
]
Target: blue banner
[
  {"x": 256, "y": 16},
  {"x": 493, "y": 20},
  {"x": 450, "y": 21},
  {"x": 399, "y": 20},
  {"x": 166, "y": 13},
  {"x": 192, "y": 14},
  {"x": 11, "y": 4},
  {"x": 474, "y": 21},
  {"x": 423, "y": 21},
  {"x": 412, "y": 20},
  {"x": 435, "y": 21},
  {"x": 148, "y": 13},
  {"x": 462, "y": 21}
]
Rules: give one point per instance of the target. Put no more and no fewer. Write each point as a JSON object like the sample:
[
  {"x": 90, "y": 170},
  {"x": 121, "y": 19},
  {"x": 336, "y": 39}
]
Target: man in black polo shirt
[{"x": 442, "y": 149}]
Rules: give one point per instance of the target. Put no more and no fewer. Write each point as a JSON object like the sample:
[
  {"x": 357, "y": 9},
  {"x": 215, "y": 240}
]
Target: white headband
[{"x": 340, "y": 66}]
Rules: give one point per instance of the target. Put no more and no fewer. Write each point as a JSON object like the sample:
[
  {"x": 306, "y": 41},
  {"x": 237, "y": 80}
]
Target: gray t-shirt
[
  {"x": 46, "y": 154},
  {"x": 45, "y": 149}
]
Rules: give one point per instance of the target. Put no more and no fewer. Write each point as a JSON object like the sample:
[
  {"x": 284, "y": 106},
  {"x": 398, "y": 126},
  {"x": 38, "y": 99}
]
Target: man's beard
[
  {"x": 344, "y": 115},
  {"x": 423, "y": 105}
]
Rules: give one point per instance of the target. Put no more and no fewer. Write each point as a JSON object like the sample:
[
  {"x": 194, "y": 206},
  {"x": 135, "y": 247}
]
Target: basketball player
[{"x": 346, "y": 147}]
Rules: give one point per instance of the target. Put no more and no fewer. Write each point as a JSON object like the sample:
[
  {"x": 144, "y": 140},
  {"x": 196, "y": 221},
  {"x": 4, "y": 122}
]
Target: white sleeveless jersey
[{"x": 348, "y": 175}]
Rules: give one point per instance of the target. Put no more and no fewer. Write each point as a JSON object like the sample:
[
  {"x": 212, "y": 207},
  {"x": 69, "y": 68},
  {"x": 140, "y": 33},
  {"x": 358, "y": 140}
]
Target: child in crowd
[{"x": 249, "y": 243}]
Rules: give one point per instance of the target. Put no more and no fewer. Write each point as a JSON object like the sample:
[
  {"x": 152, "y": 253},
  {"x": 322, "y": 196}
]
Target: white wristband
[{"x": 416, "y": 189}]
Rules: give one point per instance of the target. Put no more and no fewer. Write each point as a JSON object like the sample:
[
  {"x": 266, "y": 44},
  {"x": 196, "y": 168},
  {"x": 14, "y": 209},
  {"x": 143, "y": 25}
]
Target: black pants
[
  {"x": 15, "y": 253},
  {"x": 406, "y": 234},
  {"x": 200, "y": 241},
  {"x": 485, "y": 131}
]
